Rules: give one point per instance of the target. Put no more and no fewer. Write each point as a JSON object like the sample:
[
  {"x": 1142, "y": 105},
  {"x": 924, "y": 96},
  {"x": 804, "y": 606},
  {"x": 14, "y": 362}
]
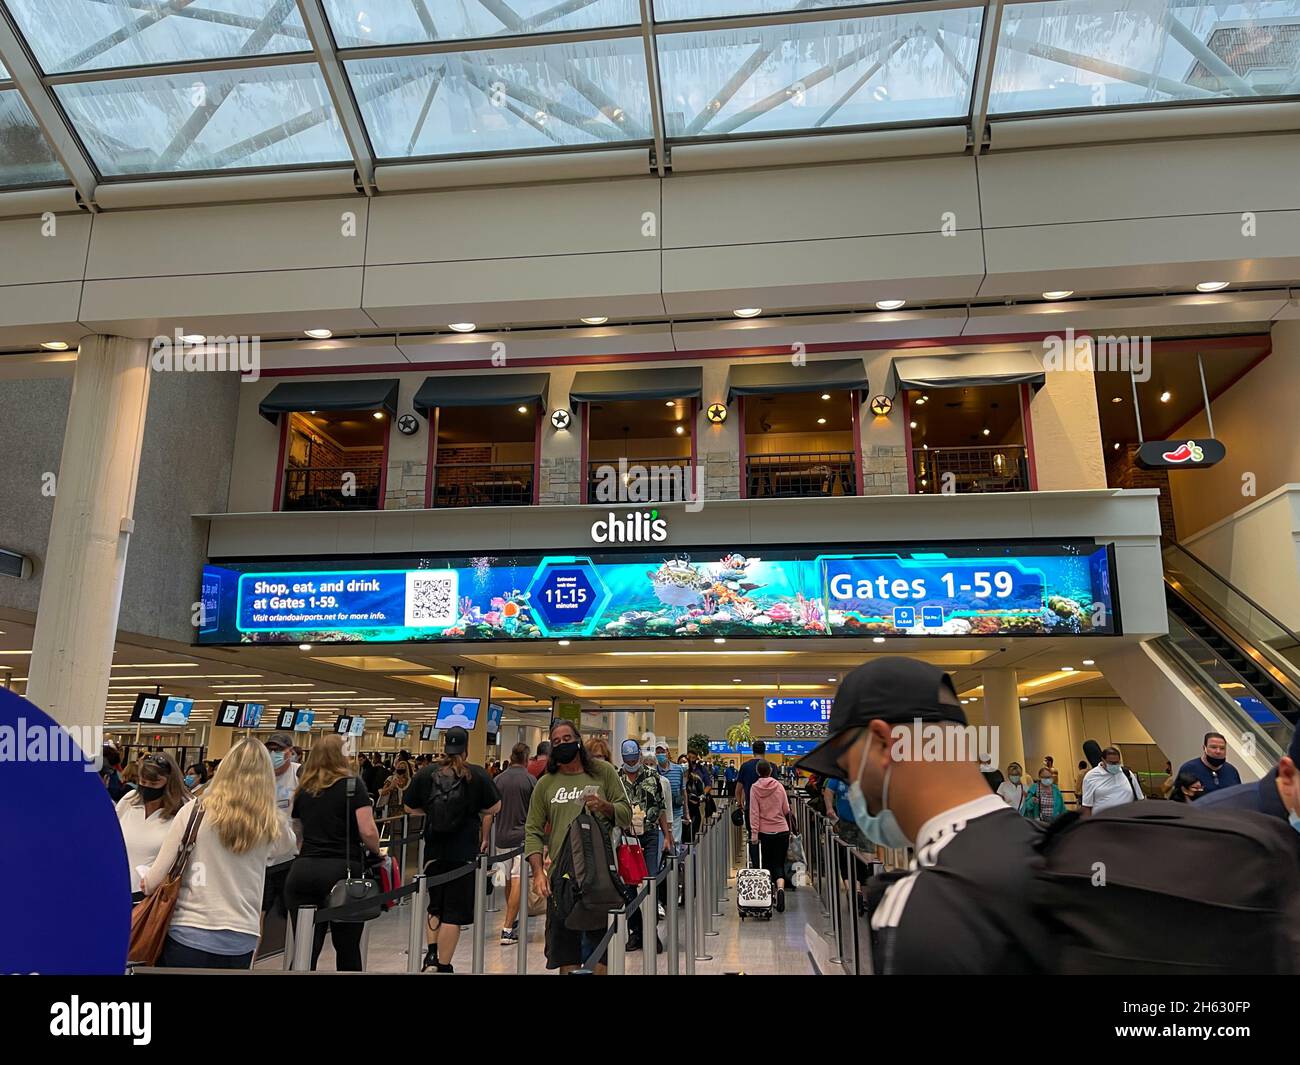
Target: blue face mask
[
  {"x": 1294, "y": 819},
  {"x": 277, "y": 759},
  {"x": 1113, "y": 770},
  {"x": 662, "y": 759},
  {"x": 190, "y": 781},
  {"x": 881, "y": 828}
]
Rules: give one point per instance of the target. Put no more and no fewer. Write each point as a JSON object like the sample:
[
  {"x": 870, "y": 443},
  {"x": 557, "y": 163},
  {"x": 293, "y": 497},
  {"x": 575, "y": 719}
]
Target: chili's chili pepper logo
[{"x": 1188, "y": 452}]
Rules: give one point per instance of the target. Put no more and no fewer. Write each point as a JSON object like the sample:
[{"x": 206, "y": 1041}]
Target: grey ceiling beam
[
  {"x": 653, "y": 86},
  {"x": 988, "y": 43},
  {"x": 48, "y": 114},
  {"x": 336, "y": 81}
]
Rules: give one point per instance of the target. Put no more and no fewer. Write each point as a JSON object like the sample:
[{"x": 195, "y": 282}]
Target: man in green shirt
[{"x": 572, "y": 781}]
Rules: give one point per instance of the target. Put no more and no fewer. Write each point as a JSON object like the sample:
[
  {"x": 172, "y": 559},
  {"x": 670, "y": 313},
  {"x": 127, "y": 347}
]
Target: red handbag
[{"x": 631, "y": 863}]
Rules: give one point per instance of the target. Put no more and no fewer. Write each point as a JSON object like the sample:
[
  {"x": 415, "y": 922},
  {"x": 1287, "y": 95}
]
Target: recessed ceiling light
[
  {"x": 597, "y": 320},
  {"x": 462, "y": 327},
  {"x": 564, "y": 643},
  {"x": 1212, "y": 286},
  {"x": 830, "y": 680},
  {"x": 912, "y": 424},
  {"x": 889, "y": 305},
  {"x": 1164, "y": 397},
  {"x": 1117, "y": 399},
  {"x": 319, "y": 334},
  {"x": 1115, "y": 445},
  {"x": 645, "y": 680},
  {"x": 877, "y": 639},
  {"x": 54, "y": 345},
  {"x": 523, "y": 410},
  {"x": 1067, "y": 669},
  {"x": 670, "y": 403},
  {"x": 1024, "y": 698},
  {"x": 378, "y": 415},
  {"x": 986, "y": 432},
  {"x": 719, "y": 639},
  {"x": 680, "y": 429},
  {"x": 304, "y": 647},
  {"x": 747, "y": 312},
  {"x": 1058, "y": 294},
  {"x": 826, "y": 395},
  {"x": 735, "y": 680},
  {"x": 821, "y": 421},
  {"x": 1089, "y": 662},
  {"x": 194, "y": 338}
]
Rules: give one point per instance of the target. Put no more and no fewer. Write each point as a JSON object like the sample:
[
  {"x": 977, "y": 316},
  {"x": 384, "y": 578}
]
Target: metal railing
[
  {"x": 640, "y": 480},
  {"x": 997, "y": 468},
  {"x": 331, "y": 488},
  {"x": 793, "y": 475},
  {"x": 482, "y": 484}
]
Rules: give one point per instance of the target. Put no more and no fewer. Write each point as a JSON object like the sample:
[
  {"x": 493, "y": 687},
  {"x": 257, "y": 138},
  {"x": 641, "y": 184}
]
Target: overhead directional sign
[
  {"x": 802, "y": 710},
  {"x": 1191, "y": 454}
]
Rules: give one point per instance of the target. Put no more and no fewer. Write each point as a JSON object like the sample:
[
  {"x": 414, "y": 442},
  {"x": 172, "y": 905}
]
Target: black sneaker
[
  {"x": 633, "y": 945},
  {"x": 430, "y": 958},
  {"x": 780, "y": 900},
  {"x": 444, "y": 969}
]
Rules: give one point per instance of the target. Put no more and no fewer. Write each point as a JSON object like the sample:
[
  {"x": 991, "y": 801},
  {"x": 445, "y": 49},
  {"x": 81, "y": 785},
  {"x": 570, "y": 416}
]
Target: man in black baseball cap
[{"x": 898, "y": 735}]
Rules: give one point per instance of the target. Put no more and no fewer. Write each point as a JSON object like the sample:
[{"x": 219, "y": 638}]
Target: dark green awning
[
  {"x": 482, "y": 390},
  {"x": 669, "y": 382},
  {"x": 361, "y": 393},
  {"x": 974, "y": 369},
  {"x": 784, "y": 378}
]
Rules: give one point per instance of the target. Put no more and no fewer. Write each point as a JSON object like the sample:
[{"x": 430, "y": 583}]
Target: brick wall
[{"x": 1122, "y": 471}]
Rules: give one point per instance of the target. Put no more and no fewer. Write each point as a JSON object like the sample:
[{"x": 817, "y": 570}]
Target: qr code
[{"x": 431, "y": 597}]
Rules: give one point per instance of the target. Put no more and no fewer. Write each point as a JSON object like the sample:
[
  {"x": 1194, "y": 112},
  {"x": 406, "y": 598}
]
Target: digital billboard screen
[
  {"x": 456, "y": 710},
  {"x": 934, "y": 590}
]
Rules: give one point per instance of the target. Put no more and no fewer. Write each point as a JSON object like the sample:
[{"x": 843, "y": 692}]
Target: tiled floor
[{"x": 778, "y": 946}]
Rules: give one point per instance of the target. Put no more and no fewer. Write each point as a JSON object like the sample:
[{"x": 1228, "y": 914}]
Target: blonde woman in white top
[
  {"x": 145, "y": 813},
  {"x": 215, "y": 924}
]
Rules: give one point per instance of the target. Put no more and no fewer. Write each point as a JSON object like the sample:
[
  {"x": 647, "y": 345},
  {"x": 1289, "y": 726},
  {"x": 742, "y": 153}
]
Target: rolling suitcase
[{"x": 753, "y": 890}]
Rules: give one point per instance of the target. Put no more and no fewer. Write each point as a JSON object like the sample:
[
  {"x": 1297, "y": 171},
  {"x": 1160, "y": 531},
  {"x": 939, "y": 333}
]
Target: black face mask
[
  {"x": 1215, "y": 762},
  {"x": 565, "y": 752},
  {"x": 150, "y": 794}
]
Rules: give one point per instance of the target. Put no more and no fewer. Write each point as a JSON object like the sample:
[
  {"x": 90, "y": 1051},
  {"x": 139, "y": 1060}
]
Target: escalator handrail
[{"x": 1170, "y": 545}]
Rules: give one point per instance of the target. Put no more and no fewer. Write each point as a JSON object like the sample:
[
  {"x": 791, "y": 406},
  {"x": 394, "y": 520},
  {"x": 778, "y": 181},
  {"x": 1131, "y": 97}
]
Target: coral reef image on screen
[{"x": 954, "y": 590}]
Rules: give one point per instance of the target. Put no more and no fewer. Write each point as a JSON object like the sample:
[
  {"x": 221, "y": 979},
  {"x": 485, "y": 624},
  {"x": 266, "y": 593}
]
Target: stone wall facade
[
  {"x": 721, "y": 475},
  {"x": 884, "y": 470},
  {"x": 405, "y": 487},
  {"x": 561, "y": 481}
]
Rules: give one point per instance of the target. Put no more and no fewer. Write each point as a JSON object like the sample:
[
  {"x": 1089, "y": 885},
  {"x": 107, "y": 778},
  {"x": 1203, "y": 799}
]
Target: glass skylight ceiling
[{"x": 173, "y": 87}]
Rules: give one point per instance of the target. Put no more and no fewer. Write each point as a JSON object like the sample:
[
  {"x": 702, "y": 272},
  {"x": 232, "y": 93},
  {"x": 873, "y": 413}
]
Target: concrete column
[
  {"x": 620, "y": 729},
  {"x": 1002, "y": 712},
  {"x": 81, "y": 589},
  {"x": 219, "y": 742},
  {"x": 474, "y": 685},
  {"x": 759, "y": 728},
  {"x": 667, "y": 723}
]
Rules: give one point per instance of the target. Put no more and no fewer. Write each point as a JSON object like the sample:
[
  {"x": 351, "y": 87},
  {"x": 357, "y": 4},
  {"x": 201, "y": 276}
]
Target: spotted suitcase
[{"x": 754, "y": 893}]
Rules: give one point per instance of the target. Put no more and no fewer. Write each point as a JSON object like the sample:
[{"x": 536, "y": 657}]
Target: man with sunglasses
[{"x": 898, "y": 736}]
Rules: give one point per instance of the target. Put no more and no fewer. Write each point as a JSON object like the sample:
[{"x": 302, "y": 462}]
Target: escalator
[{"x": 1242, "y": 659}]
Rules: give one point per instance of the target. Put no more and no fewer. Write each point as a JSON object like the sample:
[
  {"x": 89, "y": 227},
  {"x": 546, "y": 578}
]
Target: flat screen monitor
[
  {"x": 148, "y": 708},
  {"x": 176, "y": 711},
  {"x": 284, "y": 720},
  {"x": 251, "y": 715},
  {"x": 403, "y": 730},
  {"x": 390, "y": 727},
  {"x": 227, "y": 715},
  {"x": 495, "y": 712},
  {"x": 303, "y": 720},
  {"x": 454, "y": 710},
  {"x": 426, "y": 733},
  {"x": 343, "y": 726},
  {"x": 358, "y": 726}
]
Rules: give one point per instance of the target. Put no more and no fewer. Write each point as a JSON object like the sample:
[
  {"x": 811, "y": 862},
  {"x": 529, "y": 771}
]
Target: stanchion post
[
  {"x": 649, "y": 927},
  {"x": 614, "y": 953},
  {"x": 853, "y": 907},
  {"x": 286, "y": 959},
  {"x": 480, "y": 916},
  {"x": 824, "y": 842},
  {"x": 415, "y": 936},
  {"x": 303, "y": 938},
  {"x": 674, "y": 871},
  {"x": 837, "y": 914},
  {"x": 708, "y": 871},
  {"x": 718, "y": 898}
]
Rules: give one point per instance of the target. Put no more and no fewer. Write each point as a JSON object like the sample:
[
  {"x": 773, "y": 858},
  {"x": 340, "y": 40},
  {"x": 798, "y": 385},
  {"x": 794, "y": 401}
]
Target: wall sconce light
[
  {"x": 561, "y": 418},
  {"x": 716, "y": 413},
  {"x": 881, "y": 405}
]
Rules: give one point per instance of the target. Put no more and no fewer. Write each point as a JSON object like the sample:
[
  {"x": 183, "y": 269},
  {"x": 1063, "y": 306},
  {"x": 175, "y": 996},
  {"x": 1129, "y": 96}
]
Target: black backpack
[
  {"x": 585, "y": 884},
  {"x": 1161, "y": 887},
  {"x": 449, "y": 802}
]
